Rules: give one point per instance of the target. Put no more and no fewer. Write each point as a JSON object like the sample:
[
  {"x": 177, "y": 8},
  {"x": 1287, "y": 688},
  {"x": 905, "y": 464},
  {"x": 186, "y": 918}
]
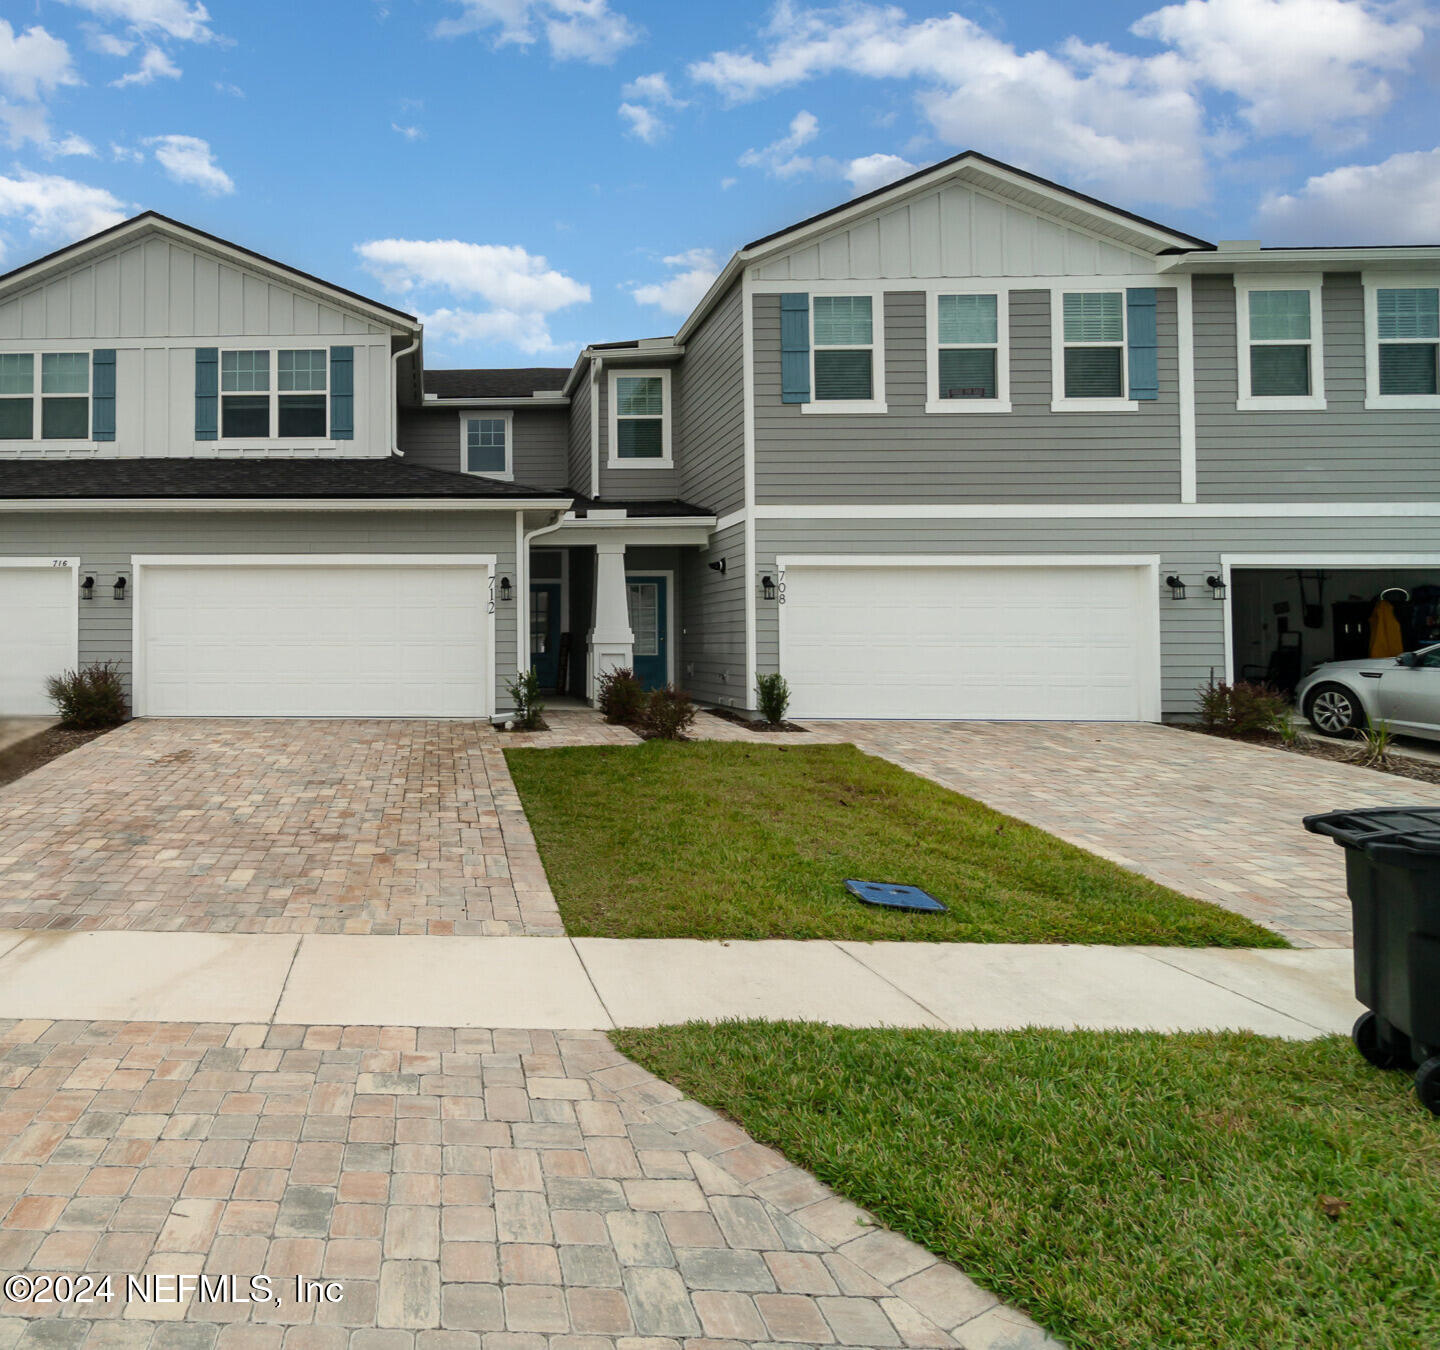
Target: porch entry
[
  {"x": 545, "y": 632},
  {"x": 648, "y": 598}
]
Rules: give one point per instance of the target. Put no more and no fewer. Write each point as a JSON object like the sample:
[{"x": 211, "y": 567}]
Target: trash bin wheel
[
  {"x": 1427, "y": 1085},
  {"x": 1376, "y": 1049}
]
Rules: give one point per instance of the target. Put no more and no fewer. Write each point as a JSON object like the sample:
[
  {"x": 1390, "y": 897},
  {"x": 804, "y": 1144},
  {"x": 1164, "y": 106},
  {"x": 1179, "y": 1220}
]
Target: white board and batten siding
[
  {"x": 155, "y": 300},
  {"x": 1035, "y": 638},
  {"x": 955, "y": 231}
]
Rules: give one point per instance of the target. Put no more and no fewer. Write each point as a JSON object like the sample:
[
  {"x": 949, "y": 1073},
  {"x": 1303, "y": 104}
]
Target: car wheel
[{"x": 1334, "y": 711}]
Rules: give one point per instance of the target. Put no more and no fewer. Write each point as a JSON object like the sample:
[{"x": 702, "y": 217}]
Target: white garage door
[
  {"x": 301, "y": 638},
  {"x": 1060, "y": 643},
  {"x": 38, "y": 616}
]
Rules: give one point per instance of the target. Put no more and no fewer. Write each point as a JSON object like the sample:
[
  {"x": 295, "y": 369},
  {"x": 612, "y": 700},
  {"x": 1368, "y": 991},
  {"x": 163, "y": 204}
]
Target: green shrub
[
  {"x": 91, "y": 698},
  {"x": 668, "y": 714},
  {"x": 524, "y": 689},
  {"x": 1242, "y": 708},
  {"x": 620, "y": 696},
  {"x": 774, "y": 697},
  {"x": 1376, "y": 741}
]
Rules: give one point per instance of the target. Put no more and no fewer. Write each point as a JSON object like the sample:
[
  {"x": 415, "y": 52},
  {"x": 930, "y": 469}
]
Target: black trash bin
[{"x": 1392, "y": 873}]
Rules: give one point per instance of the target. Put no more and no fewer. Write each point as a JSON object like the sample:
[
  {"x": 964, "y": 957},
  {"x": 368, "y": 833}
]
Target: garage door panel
[
  {"x": 38, "y": 611},
  {"x": 317, "y": 640},
  {"x": 985, "y": 642}
]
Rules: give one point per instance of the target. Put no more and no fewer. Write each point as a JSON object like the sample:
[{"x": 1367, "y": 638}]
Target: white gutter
[
  {"x": 522, "y": 588},
  {"x": 395, "y": 394},
  {"x": 519, "y": 401}
]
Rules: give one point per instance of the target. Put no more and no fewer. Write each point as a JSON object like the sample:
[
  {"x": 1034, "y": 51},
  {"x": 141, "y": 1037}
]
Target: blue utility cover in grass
[{"x": 890, "y": 896}]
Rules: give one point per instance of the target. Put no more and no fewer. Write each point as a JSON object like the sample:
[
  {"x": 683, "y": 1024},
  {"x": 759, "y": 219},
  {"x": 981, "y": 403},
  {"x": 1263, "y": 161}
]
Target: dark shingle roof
[
  {"x": 390, "y": 477},
  {"x": 640, "y": 510},
  {"x": 519, "y": 382}
]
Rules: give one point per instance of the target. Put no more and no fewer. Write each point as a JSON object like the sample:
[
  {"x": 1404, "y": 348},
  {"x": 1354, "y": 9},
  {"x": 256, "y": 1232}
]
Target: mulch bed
[
  {"x": 540, "y": 725},
  {"x": 26, "y": 756},
  {"x": 730, "y": 715},
  {"x": 1402, "y": 766}
]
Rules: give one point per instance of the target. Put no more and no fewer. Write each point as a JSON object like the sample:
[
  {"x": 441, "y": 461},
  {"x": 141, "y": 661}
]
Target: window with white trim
[
  {"x": 640, "y": 419},
  {"x": 1094, "y": 344},
  {"x": 1280, "y": 354},
  {"x": 843, "y": 347},
  {"x": 291, "y": 406},
  {"x": 64, "y": 395},
  {"x": 485, "y": 444},
  {"x": 1403, "y": 347},
  {"x": 968, "y": 366}
]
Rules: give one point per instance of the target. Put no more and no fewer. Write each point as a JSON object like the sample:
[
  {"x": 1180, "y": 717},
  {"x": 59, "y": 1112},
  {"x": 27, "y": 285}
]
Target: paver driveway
[
  {"x": 275, "y": 826},
  {"x": 469, "y": 1190}
]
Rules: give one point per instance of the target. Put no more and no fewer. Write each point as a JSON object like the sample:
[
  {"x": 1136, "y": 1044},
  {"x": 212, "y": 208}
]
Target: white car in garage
[{"x": 1340, "y": 697}]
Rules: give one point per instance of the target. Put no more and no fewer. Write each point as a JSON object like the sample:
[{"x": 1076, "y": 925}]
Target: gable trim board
[
  {"x": 30, "y": 652},
  {"x": 1093, "y": 510}
]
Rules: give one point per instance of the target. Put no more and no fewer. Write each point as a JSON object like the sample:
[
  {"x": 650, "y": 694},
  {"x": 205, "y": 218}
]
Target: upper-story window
[
  {"x": 1094, "y": 323},
  {"x": 1281, "y": 361},
  {"x": 969, "y": 366},
  {"x": 844, "y": 347},
  {"x": 640, "y": 434},
  {"x": 1402, "y": 345},
  {"x": 485, "y": 444},
  {"x": 64, "y": 396},
  {"x": 255, "y": 407}
]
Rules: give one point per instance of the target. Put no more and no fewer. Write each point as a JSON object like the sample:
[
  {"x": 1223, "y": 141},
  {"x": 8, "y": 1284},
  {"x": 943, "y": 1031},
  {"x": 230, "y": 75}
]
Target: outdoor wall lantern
[
  {"x": 718, "y": 566},
  {"x": 1177, "y": 587},
  {"x": 119, "y": 588},
  {"x": 767, "y": 584},
  {"x": 87, "y": 589},
  {"x": 504, "y": 590},
  {"x": 1216, "y": 584}
]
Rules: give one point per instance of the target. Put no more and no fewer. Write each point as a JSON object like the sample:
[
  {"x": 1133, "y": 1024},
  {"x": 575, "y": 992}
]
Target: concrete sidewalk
[{"x": 596, "y": 983}]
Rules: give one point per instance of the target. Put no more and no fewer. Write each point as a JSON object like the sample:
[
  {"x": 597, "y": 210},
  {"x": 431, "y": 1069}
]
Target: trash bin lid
[{"x": 1387, "y": 829}]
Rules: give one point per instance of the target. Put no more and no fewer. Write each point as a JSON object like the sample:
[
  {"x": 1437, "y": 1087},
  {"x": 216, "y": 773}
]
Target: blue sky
[{"x": 530, "y": 175}]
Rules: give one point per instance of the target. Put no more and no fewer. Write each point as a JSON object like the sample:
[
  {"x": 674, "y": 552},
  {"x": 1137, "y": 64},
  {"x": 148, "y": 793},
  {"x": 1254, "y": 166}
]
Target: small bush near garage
[
  {"x": 668, "y": 714},
  {"x": 1241, "y": 709},
  {"x": 89, "y": 699},
  {"x": 524, "y": 691},
  {"x": 620, "y": 696},
  {"x": 773, "y": 695}
]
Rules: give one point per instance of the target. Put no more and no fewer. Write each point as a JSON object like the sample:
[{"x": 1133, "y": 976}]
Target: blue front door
[
  {"x": 649, "y": 621},
  {"x": 545, "y": 632}
]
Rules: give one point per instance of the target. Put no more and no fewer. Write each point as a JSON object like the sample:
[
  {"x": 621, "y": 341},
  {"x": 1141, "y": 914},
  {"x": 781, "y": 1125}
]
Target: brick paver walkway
[
  {"x": 278, "y": 827},
  {"x": 467, "y": 1190}
]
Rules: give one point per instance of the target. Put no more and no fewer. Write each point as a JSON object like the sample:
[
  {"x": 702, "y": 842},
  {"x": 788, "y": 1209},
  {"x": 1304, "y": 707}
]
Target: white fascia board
[
  {"x": 1098, "y": 511},
  {"x": 655, "y": 531},
  {"x": 520, "y": 401},
  {"x": 718, "y": 287},
  {"x": 284, "y": 504},
  {"x": 1303, "y": 259}
]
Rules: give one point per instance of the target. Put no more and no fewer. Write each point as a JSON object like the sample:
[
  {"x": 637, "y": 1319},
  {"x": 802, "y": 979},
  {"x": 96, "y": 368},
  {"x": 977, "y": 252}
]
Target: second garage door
[
  {"x": 313, "y": 638},
  {"x": 1044, "y": 642}
]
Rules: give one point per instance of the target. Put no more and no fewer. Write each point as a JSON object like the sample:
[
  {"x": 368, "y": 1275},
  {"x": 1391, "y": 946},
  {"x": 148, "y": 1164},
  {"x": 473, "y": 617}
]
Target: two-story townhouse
[{"x": 973, "y": 445}]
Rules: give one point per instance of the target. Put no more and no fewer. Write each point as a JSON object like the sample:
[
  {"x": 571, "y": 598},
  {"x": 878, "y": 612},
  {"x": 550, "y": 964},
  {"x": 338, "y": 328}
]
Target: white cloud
[
  {"x": 874, "y": 171},
  {"x": 58, "y": 210},
  {"x": 520, "y": 288},
  {"x": 171, "y": 18},
  {"x": 652, "y": 89},
  {"x": 125, "y": 154},
  {"x": 33, "y": 64},
  {"x": 409, "y": 133},
  {"x": 188, "y": 159},
  {"x": 107, "y": 44},
  {"x": 779, "y": 158},
  {"x": 1127, "y": 123},
  {"x": 576, "y": 30},
  {"x": 1295, "y": 65},
  {"x": 727, "y": 183},
  {"x": 1394, "y": 202},
  {"x": 693, "y": 271},
  {"x": 644, "y": 123},
  {"x": 70, "y": 145},
  {"x": 154, "y": 65},
  {"x": 233, "y": 90}
]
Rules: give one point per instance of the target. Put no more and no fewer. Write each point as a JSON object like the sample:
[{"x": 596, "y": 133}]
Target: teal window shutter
[
  {"x": 102, "y": 403},
  {"x": 207, "y": 393},
  {"x": 342, "y": 393},
  {"x": 795, "y": 347},
  {"x": 1144, "y": 344}
]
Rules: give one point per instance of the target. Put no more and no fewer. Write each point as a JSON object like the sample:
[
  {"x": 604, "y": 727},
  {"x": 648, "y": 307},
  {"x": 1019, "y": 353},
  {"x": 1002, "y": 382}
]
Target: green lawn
[
  {"x": 1128, "y": 1190},
  {"x": 723, "y": 840}
]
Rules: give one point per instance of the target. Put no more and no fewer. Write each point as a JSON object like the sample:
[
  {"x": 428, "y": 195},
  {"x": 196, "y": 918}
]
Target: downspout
[
  {"x": 522, "y": 589},
  {"x": 395, "y": 402}
]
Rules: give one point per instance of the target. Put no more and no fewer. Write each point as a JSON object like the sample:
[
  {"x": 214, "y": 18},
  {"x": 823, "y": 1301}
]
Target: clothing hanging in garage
[{"x": 1385, "y": 638}]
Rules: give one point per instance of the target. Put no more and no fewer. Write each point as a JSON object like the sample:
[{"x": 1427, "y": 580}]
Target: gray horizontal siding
[
  {"x": 105, "y": 544},
  {"x": 578, "y": 436},
  {"x": 907, "y": 455},
  {"x": 710, "y": 409},
  {"x": 712, "y": 620},
  {"x": 638, "y": 484},
  {"x": 1191, "y": 630},
  {"x": 431, "y": 437},
  {"x": 1340, "y": 453}
]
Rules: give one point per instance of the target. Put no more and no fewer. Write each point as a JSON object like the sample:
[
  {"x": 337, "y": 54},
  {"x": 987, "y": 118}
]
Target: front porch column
[{"x": 611, "y": 644}]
